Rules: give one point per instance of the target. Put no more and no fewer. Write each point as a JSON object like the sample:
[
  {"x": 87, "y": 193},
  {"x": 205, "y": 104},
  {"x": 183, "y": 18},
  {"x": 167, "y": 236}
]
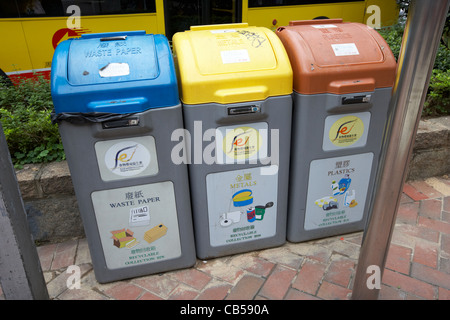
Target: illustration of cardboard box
[{"x": 123, "y": 238}]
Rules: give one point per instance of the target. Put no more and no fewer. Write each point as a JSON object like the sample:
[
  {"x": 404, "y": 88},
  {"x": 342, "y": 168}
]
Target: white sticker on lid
[
  {"x": 345, "y": 49},
  {"x": 324, "y": 26},
  {"x": 235, "y": 56},
  {"x": 114, "y": 70},
  {"x": 223, "y": 31}
]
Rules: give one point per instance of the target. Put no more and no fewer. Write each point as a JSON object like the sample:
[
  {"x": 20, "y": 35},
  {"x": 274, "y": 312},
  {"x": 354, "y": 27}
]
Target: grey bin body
[
  {"x": 315, "y": 173},
  {"x": 107, "y": 206},
  {"x": 221, "y": 227},
  {"x": 343, "y": 78},
  {"x": 235, "y": 84}
]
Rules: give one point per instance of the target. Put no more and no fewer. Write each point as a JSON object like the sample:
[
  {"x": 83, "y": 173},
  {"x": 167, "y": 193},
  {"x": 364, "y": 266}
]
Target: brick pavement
[{"x": 418, "y": 264}]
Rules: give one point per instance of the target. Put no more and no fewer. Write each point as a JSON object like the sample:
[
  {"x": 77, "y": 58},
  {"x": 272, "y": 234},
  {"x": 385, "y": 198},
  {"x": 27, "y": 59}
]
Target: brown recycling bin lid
[{"x": 331, "y": 56}]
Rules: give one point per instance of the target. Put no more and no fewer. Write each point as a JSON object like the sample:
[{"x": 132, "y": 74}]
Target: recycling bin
[
  {"x": 343, "y": 78},
  {"x": 116, "y": 103},
  {"x": 235, "y": 84}
]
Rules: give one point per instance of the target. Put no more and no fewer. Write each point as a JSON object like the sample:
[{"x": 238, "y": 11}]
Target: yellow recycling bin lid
[{"x": 230, "y": 63}]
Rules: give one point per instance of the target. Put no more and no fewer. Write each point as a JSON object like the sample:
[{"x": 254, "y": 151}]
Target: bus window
[
  {"x": 53, "y": 8},
  {"x": 275, "y": 13},
  {"x": 8, "y": 9},
  {"x": 222, "y": 11},
  {"x": 181, "y": 15},
  {"x": 274, "y": 3},
  {"x": 30, "y": 8},
  {"x": 58, "y": 8},
  {"x": 39, "y": 8},
  {"x": 89, "y": 8}
]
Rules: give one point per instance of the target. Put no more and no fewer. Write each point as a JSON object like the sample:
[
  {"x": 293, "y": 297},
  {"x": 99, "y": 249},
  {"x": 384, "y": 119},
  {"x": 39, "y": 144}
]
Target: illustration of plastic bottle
[
  {"x": 344, "y": 184},
  {"x": 335, "y": 188},
  {"x": 349, "y": 198}
]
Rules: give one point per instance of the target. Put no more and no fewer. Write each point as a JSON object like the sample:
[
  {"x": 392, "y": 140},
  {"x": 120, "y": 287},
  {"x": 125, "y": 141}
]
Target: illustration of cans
[{"x": 251, "y": 216}]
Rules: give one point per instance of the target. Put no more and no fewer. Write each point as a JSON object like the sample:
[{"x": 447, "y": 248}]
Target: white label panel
[
  {"x": 126, "y": 158},
  {"x": 346, "y": 131},
  {"x": 138, "y": 224},
  {"x": 238, "y": 143},
  {"x": 241, "y": 206},
  {"x": 337, "y": 190}
]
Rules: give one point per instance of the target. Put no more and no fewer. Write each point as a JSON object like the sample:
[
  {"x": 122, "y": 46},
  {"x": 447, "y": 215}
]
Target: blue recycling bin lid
[{"x": 118, "y": 72}]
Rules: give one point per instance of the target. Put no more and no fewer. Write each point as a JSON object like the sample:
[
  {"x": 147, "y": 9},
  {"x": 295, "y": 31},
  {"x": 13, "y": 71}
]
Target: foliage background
[
  {"x": 438, "y": 98},
  {"x": 25, "y": 114}
]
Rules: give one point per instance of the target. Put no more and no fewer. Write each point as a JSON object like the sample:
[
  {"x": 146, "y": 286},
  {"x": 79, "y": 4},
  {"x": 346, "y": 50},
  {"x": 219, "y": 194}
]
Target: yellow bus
[
  {"x": 180, "y": 15},
  {"x": 275, "y": 13},
  {"x": 31, "y": 29}
]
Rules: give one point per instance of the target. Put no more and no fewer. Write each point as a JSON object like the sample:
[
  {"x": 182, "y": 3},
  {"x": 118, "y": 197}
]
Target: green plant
[
  {"x": 25, "y": 113},
  {"x": 438, "y": 98},
  {"x": 393, "y": 36}
]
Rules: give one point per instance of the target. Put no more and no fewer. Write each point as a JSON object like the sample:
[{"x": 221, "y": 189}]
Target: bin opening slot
[
  {"x": 120, "y": 123},
  {"x": 356, "y": 99},
  {"x": 243, "y": 110},
  {"x": 115, "y": 38}
]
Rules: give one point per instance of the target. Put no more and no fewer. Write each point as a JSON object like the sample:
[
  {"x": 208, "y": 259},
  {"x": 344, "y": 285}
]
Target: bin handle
[
  {"x": 246, "y": 93},
  {"x": 352, "y": 86},
  {"x": 316, "y": 21},
  {"x": 126, "y": 105},
  {"x": 219, "y": 26}
]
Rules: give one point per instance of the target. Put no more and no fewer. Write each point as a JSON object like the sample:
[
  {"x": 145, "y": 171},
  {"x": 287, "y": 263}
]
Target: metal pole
[
  {"x": 420, "y": 42},
  {"x": 21, "y": 276}
]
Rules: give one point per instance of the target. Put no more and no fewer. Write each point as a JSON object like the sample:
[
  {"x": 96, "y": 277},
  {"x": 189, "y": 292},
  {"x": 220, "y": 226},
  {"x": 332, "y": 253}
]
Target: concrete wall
[
  {"x": 52, "y": 208},
  {"x": 431, "y": 153},
  {"x": 50, "y": 201}
]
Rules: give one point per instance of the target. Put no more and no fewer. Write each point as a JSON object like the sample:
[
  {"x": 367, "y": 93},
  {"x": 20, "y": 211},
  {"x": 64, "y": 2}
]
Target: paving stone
[
  {"x": 399, "y": 258},
  {"x": 161, "y": 285},
  {"x": 309, "y": 277},
  {"x": 340, "y": 271},
  {"x": 192, "y": 277},
  {"x": 430, "y": 275},
  {"x": 294, "y": 294},
  {"x": 278, "y": 283},
  {"x": 413, "y": 193},
  {"x": 409, "y": 284},
  {"x": 331, "y": 291},
  {"x": 426, "y": 253},
  {"x": 408, "y": 213},
  {"x": 221, "y": 269},
  {"x": 430, "y": 208},
  {"x": 253, "y": 264},
  {"x": 64, "y": 254},
  {"x": 183, "y": 292},
  {"x": 124, "y": 291},
  {"x": 246, "y": 288},
  {"x": 282, "y": 256},
  {"x": 215, "y": 290}
]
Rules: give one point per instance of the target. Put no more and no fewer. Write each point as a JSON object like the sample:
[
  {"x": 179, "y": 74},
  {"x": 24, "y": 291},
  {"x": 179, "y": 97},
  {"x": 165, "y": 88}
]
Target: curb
[{"x": 431, "y": 152}]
